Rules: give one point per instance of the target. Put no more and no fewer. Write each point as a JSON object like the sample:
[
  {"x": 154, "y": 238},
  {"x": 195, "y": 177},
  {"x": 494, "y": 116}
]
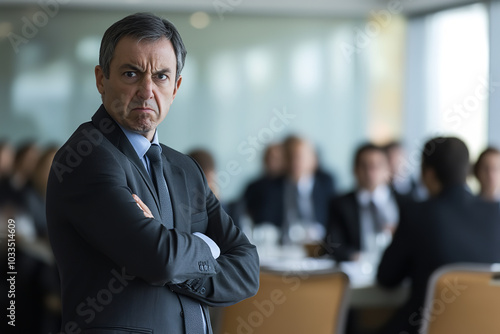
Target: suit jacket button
[
  {"x": 202, "y": 290},
  {"x": 205, "y": 267}
]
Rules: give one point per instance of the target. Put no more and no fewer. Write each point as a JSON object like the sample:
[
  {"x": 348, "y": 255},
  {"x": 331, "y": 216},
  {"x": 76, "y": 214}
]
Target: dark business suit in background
[
  {"x": 452, "y": 227},
  {"x": 269, "y": 205},
  {"x": 120, "y": 271},
  {"x": 344, "y": 224}
]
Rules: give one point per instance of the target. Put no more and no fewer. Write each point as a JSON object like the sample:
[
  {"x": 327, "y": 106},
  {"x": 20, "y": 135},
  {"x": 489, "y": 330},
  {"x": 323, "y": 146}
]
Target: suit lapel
[
  {"x": 130, "y": 152},
  {"x": 110, "y": 129},
  {"x": 356, "y": 227}
]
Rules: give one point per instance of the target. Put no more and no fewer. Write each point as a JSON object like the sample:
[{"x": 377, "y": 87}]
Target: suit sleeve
[
  {"x": 238, "y": 264},
  {"x": 397, "y": 260},
  {"x": 95, "y": 199}
]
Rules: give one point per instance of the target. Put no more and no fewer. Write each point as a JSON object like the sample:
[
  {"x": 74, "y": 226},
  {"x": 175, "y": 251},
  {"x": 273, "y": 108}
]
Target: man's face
[
  {"x": 301, "y": 160},
  {"x": 489, "y": 171},
  {"x": 372, "y": 170},
  {"x": 141, "y": 85}
]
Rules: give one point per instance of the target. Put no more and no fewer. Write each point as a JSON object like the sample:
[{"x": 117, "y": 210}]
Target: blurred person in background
[
  {"x": 25, "y": 163},
  {"x": 487, "y": 172},
  {"x": 6, "y": 160},
  {"x": 38, "y": 305},
  {"x": 451, "y": 226},
  {"x": 38, "y": 189},
  {"x": 400, "y": 179},
  {"x": 356, "y": 218},
  {"x": 7, "y": 156},
  {"x": 297, "y": 203},
  {"x": 257, "y": 191},
  {"x": 29, "y": 289},
  {"x": 49, "y": 273},
  {"x": 16, "y": 191},
  {"x": 207, "y": 163}
]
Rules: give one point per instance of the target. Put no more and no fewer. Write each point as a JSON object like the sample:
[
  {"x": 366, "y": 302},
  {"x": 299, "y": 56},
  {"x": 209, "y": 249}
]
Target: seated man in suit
[
  {"x": 256, "y": 193},
  {"x": 298, "y": 201},
  {"x": 141, "y": 242},
  {"x": 357, "y": 217},
  {"x": 451, "y": 226}
]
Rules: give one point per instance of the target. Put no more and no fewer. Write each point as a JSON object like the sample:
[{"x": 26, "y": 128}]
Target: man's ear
[
  {"x": 176, "y": 88},
  {"x": 99, "y": 79},
  {"x": 430, "y": 180}
]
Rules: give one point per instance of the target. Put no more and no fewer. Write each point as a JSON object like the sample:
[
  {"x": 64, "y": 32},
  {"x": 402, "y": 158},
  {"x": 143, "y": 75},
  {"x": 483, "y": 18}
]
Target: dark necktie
[
  {"x": 191, "y": 309},
  {"x": 377, "y": 219},
  {"x": 154, "y": 155}
]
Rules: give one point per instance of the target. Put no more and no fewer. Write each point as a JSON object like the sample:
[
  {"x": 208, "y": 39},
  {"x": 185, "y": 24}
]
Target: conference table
[{"x": 364, "y": 291}]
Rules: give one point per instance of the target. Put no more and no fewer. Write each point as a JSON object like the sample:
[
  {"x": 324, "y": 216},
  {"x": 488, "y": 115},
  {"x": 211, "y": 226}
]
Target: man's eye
[
  {"x": 130, "y": 74},
  {"x": 162, "y": 76}
]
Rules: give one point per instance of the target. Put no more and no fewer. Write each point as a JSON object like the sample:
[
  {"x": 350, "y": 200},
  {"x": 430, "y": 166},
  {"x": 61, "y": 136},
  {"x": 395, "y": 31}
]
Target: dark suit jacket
[
  {"x": 453, "y": 227},
  {"x": 256, "y": 198},
  {"x": 121, "y": 272},
  {"x": 343, "y": 237},
  {"x": 271, "y": 204},
  {"x": 343, "y": 231}
]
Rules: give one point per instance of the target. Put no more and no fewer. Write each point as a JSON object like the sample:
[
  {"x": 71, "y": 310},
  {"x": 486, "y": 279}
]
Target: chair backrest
[
  {"x": 291, "y": 303},
  {"x": 463, "y": 298}
]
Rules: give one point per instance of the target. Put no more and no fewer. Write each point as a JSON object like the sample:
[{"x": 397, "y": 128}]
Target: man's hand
[{"x": 142, "y": 206}]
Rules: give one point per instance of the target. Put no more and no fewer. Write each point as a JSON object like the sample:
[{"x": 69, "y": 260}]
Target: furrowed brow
[
  {"x": 131, "y": 67},
  {"x": 164, "y": 71}
]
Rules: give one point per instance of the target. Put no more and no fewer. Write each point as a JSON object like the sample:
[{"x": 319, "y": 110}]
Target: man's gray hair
[{"x": 141, "y": 26}]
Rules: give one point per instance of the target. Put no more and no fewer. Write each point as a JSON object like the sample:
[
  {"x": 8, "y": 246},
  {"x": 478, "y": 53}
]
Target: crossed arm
[{"x": 214, "y": 248}]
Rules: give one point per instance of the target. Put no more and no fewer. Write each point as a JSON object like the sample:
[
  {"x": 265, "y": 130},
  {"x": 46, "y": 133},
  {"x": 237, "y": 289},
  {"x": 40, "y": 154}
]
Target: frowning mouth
[{"x": 144, "y": 110}]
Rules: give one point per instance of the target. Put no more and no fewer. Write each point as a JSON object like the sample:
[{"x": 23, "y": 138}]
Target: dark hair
[
  {"x": 391, "y": 145},
  {"x": 291, "y": 141},
  {"x": 366, "y": 147},
  {"x": 449, "y": 158},
  {"x": 22, "y": 150},
  {"x": 204, "y": 159},
  {"x": 142, "y": 26},
  {"x": 480, "y": 159}
]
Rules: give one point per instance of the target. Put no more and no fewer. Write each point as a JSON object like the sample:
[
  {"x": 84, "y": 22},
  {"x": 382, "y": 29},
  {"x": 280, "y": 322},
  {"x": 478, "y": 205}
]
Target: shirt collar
[
  {"x": 305, "y": 184},
  {"x": 140, "y": 143},
  {"x": 380, "y": 195}
]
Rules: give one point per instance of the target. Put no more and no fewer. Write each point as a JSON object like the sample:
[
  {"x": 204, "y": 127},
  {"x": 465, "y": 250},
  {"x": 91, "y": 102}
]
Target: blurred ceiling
[{"x": 337, "y": 8}]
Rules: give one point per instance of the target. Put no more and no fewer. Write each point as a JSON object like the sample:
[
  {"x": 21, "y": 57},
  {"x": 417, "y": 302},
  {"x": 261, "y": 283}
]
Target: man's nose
[{"x": 145, "y": 89}]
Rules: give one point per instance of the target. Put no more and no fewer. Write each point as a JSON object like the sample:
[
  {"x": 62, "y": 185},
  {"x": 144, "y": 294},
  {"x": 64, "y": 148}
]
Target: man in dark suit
[
  {"x": 356, "y": 217},
  {"x": 451, "y": 226},
  {"x": 256, "y": 193},
  {"x": 141, "y": 242},
  {"x": 300, "y": 197}
]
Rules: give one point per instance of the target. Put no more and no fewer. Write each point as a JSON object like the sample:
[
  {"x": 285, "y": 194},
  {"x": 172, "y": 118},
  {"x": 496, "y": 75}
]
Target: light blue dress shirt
[{"x": 141, "y": 145}]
